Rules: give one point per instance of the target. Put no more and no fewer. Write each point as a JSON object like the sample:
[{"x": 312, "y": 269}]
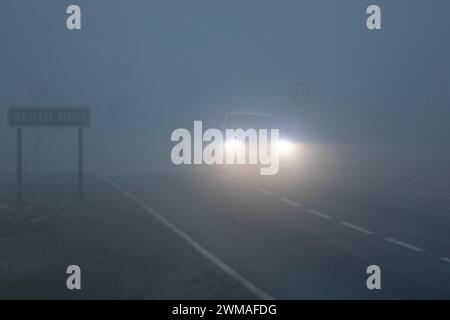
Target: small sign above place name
[{"x": 48, "y": 117}]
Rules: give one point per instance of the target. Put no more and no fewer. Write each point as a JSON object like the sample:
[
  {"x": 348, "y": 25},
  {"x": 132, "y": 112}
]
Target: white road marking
[
  {"x": 445, "y": 259},
  {"x": 224, "y": 176},
  {"x": 194, "y": 244},
  {"x": 292, "y": 203},
  {"x": 319, "y": 214},
  {"x": 404, "y": 244},
  {"x": 429, "y": 203},
  {"x": 243, "y": 183},
  {"x": 265, "y": 192},
  {"x": 442, "y": 203},
  {"x": 357, "y": 228}
]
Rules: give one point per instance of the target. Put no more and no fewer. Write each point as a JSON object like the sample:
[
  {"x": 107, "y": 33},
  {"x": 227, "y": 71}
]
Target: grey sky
[{"x": 148, "y": 67}]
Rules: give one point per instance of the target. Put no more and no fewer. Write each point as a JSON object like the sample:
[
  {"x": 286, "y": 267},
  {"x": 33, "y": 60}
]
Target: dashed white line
[
  {"x": 265, "y": 192},
  {"x": 319, "y": 214},
  {"x": 443, "y": 203},
  {"x": 243, "y": 183},
  {"x": 292, "y": 203},
  {"x": 428, "y": 202},
  {"x": 357, "y": 228},
  {"x": 194, "y": 244},
  {"x": 404, "y": 244},
  {"x": 445, "y": 259},
  {"x": 346, "y": 224}
]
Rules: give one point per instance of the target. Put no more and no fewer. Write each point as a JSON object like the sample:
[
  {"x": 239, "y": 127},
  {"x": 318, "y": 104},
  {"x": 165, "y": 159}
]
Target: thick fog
[{"x": 357, "y": 98}]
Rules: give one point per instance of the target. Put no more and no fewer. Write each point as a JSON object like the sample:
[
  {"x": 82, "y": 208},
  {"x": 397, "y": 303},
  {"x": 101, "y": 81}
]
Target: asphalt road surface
[
  {"x": 304, "y": 239},
  {"x": 225, "y": 236}
]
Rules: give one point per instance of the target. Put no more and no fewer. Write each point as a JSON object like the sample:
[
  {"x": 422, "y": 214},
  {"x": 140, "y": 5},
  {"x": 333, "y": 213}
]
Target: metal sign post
[
  {"x": 80, "y": 165},
  {"x": 49, "y": 117},
  {"x": 19, "y": 165}
]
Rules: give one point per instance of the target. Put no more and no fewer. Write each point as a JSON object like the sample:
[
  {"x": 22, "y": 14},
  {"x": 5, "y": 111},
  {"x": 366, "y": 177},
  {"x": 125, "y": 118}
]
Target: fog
[{"x": 376, "y": 101}]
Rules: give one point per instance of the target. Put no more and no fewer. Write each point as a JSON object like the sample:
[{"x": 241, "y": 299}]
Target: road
[
  {"x": 305, "y": 240},
  {"x": 224, "y": 236}
]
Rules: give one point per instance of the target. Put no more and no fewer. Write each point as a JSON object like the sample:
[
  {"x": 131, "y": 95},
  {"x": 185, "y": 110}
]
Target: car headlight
[
  {"x": 233, "y": 145},
  {"x": 285, "y": 147}
]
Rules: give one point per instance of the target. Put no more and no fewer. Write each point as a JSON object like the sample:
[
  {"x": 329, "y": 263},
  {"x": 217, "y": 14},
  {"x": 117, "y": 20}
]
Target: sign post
[
  {"x": 49, "y": 117},
  {"x": 19, "y": 165},
  {"x": 80, "y": 165}
]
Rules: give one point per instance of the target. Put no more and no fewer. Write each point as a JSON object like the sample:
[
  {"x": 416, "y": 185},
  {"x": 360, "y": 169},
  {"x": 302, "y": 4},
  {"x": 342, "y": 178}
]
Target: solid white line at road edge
[{"x": 194, "y": 244}]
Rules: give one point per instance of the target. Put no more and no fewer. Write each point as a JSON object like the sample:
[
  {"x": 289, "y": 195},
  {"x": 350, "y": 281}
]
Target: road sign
[{"x": 48, "y": 117}]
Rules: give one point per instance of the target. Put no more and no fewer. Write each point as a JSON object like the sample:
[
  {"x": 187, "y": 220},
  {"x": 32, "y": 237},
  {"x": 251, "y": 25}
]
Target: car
[{"x": 232, "y": 121}]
